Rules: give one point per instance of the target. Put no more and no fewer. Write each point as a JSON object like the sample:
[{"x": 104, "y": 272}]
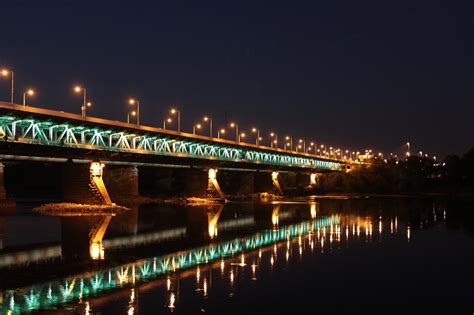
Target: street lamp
[
  {"x": 29, "y": 92},
  {"x": 85, "y": 104},
  {"x": 133, "y": 102},
  {"x": 220, "y": 132},
  {"x": 311, "y": 145},
  {"x": 175, "y": 111},
  {"x": 5, "y": 73},
  {"x": 257, "y": 138},
  {"x": 209, "y": 119},
  {"x": 167, "y": 120},
  {"x": 304, "y": 144},
  {"x": 290, "y": 143},
  {"x": 133, "y": 113},
  {"x": 275, "y": 141},
  {"x": 236, "y": 126},
  {"x": 197, "y": 126},
  {"x": 241, "y": 135}
]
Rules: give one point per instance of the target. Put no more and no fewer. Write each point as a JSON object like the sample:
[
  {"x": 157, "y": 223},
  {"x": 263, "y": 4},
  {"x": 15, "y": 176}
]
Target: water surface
[{"x": 297, "y": 256}]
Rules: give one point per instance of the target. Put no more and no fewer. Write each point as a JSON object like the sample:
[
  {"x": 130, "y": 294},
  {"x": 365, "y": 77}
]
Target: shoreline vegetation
[{"x": 414, "y": 175}]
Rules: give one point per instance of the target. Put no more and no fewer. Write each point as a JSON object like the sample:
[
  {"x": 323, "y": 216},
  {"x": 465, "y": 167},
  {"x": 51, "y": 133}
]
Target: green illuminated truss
[
  {"x": 46, "y": 132},
  {"x": 92, "y": 284}
]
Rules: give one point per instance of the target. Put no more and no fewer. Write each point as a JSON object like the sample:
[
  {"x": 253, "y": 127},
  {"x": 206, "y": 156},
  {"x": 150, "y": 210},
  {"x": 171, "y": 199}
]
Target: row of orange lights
[{"x": 300, "y": 146}]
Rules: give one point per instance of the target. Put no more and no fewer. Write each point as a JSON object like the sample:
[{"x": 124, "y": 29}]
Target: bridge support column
[
  {"x": 213, "y": 188},
  {"x": 3, "y": 192},
  {"x": 276, "y": 183},
  {"x": 314, "y": 180},
  {"x": 302, "y": 180},
  {"x": 263, "y": 182},
  {"x": 82, "y": 183},
  {"x": 195, "y": 182},
  {"x": 122, "y": 182},
  {"x": 2, "y": 231}
]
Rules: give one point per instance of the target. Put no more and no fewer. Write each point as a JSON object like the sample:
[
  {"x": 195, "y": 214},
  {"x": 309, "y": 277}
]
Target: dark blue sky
[{"x": 357, "y": 74}]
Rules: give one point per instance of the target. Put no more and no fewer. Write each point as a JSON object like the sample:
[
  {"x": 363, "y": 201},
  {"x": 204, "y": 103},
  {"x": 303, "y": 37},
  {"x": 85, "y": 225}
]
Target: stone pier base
[
  {"x": 121, "y": 182},
  {"x": 78, "y": 186}
]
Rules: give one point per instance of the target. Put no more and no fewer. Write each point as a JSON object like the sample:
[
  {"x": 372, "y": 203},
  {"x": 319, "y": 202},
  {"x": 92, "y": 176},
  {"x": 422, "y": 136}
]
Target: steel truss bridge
[{"x": 34, "y": 132}]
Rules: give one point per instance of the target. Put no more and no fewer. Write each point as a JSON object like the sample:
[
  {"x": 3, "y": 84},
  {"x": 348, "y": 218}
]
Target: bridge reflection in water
[
  {"x": 276, "y": 238},
  {"x": 91, "y": 284}
]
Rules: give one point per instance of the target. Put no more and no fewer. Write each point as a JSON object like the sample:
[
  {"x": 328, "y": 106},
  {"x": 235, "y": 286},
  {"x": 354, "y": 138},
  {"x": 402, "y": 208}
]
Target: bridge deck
[{"x": 31, "y": 131}]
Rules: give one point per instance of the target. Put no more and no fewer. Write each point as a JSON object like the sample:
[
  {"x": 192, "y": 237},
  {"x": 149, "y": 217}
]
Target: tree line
[{"x": 415, "y": 174}]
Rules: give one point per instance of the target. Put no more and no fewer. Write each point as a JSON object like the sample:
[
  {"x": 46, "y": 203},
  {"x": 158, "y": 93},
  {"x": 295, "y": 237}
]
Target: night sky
[{"x": 354, "y": 74}]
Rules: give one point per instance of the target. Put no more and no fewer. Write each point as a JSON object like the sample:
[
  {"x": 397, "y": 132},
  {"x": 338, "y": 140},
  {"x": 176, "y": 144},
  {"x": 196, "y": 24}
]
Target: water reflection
[
  {"x": 278, "y": 234},
  {"x": 82, "y": 236}
]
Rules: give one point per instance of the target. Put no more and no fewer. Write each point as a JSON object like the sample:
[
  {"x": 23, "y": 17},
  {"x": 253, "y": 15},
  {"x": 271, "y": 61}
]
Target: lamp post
[
  {"x": 220, "y": 132},
  {"x": 241, "y": 135},
  {"x": 167, "y": 120},
  {"x": 175, "y": 111},
  {"x": 5, "y": 73},
  {"x": 290, "y": 143},
  {"x": 304, "y": 144},
  {"x": 209, "y": 119},
  {"x": 236, "y": 126},
  {"x": 275, "y": 141},
  {"x": 133, "y": 102},
  {"x": 29, "y": 92},
  {"x": 197, "y": 126},
  {"x": 85, "y": 104},
  {"x": 257, "y": 138},
  {"x": 311, "y": 145},
  {"x": 408, "y": 148},
  {"x": 133, "y": 113}
]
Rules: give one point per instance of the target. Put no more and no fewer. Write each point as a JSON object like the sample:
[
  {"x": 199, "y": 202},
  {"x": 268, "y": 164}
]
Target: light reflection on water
[
  {"x": 91, "y": 284},
  {"x": 234, "y": 258}
]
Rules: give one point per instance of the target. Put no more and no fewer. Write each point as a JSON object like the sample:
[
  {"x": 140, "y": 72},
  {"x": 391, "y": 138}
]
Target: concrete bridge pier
[
  {"x": 3, "y": 192},
  {"x": 276, "y": 182},
  {"x": 302, "y": 180},
  {"x": 5, "y": 203},
  {"x": 122, "y": 182},
  {"x": 315, "y": 180},
  {"x": 213, "y": 188},
  {"x": 263, "y": 182},
  {"x": 82, "y": 183},
  {"x": 236, "y": 182},
  {"x": 2, "y": 231},
  {"x": 196, "y": 182}
]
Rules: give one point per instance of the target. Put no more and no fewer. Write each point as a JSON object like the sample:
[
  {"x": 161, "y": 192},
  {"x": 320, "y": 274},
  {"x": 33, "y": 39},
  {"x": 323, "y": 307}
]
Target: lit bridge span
[{"x": 34, "y": 132}]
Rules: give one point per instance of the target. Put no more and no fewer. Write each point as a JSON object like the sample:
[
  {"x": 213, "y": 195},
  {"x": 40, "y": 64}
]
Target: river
[{"x": 301, "y": 255}]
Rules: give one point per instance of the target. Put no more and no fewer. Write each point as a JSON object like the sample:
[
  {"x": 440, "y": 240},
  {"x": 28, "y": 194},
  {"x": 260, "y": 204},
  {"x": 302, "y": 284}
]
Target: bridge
[{"x": 30, "y": 133}]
